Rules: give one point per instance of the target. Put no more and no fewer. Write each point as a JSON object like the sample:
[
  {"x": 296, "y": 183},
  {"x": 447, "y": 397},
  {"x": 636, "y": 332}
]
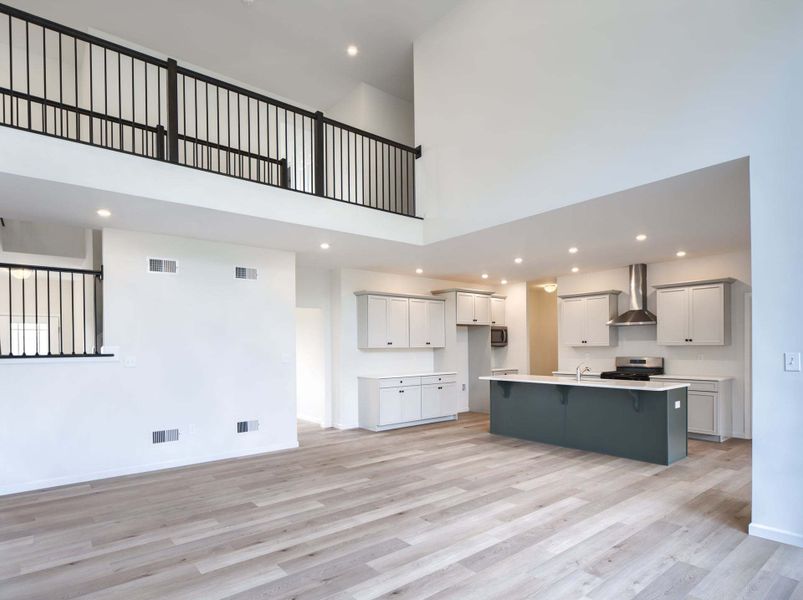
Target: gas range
[{"x": 635, "y": 368}]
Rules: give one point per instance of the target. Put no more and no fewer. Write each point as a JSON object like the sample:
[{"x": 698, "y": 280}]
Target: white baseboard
[
  {"x": 776, "y": 535},
  {"x": 309, "y": 419},
  {"x": 342, "y": 426},
  {"x": 41, "y": 484}
]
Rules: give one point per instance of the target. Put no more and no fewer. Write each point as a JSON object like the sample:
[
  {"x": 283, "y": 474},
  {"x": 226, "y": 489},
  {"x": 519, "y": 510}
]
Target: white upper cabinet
[
  {"x": 497, "y": 311},
  {"x": 695, "y": 314},
  {"x": 427, "y": 323},
  {"x": 584, "y": 319},
  {"x": 386, "y": 321},
  {"x": 473, "y": 309}
]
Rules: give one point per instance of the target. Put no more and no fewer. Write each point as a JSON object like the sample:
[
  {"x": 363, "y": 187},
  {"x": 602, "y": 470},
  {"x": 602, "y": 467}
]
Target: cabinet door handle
[
  {"x": 401, "y": 391},
  {"x": 493, "y": 322},
  {"x": 390, "y": 343},
  {"x": 440, "y": 387},
  {"x": 428, "y": 343}
]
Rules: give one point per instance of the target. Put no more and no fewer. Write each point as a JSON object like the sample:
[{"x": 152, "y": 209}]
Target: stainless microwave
[{"x": 498, "y": 336}]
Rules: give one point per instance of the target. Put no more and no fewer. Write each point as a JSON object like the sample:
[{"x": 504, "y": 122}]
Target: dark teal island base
[{"x": 638, "y": 424}]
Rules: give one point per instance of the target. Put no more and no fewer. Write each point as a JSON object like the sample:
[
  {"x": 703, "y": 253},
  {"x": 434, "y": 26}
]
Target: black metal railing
[
  {"x": 65, "y": 83},
  {"x": 50, "y": 311}
]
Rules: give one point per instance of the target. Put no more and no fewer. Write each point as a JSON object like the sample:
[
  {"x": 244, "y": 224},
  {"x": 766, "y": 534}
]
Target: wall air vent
[
  {"x": 162, "y": 265},
  {"x": 245, "y": 273},
  {"x": 246, "y": 426},
  {"x": 165, "y": 435}
]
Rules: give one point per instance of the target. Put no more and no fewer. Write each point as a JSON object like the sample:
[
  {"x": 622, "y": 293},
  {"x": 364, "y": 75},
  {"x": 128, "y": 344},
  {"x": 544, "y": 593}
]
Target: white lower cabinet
[
  {"x": 392, "y": 402},
  {"x": 710, "y": 407}
]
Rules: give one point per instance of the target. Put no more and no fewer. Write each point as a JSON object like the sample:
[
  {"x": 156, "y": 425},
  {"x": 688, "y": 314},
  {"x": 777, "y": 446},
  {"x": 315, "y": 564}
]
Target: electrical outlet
[
  {"x": 464, "y": 387},
  {"x": 700, "y": 357},
  {"x": 677, "y": 404},
  {"x": 130, "y": 362},
  {"x": 791, "y": 361},
  {"x": 192, "y": 429}
]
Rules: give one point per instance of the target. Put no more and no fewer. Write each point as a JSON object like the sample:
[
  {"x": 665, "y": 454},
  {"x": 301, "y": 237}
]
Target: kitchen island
[{"x": 642, "y": 420}]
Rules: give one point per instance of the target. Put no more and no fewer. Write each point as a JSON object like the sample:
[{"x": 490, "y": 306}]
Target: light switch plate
[
  {"x": 130, "y": 362},
  {"x": 791, "y": 361},
  {"x": 677, "y": 403}
]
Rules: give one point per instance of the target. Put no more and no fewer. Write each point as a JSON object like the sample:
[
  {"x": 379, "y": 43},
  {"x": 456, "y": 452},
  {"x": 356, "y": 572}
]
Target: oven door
[{"x": 498, "y": 336}]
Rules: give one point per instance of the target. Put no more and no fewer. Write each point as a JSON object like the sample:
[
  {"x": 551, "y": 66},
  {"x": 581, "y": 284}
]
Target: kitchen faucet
[{"x": 579, "y": 373}]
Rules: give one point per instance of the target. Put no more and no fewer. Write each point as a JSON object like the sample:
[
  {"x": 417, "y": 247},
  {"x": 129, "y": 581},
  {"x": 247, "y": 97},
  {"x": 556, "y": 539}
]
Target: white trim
[
  {"x": 309, "y": 419},
  {"x": 344, "y": 427},
  {"x": 747, "y": 390},
  {"x": 776, "y": 535},
  {"x": 42, "y": 484},
  {"x": 44, "y": 360}
]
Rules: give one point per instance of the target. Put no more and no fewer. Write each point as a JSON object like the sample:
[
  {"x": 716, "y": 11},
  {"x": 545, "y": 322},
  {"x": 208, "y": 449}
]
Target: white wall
[
  {"x": 724, "y": 361},
  {"x": 206, "y": 351},
  {"x": 516, "y": 355},
  {"x": 603, "y": 96},
  {"x": 311, "y": 364},
  {"x": 313, "y": 293},
  {"x": 371, "y": 109}
]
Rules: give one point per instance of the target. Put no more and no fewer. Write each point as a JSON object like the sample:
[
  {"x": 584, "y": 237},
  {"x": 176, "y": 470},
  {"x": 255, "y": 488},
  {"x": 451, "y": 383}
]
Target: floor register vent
[
  {"x": 162, "y": 265},
  {"x": 246, "y": 426},
  {"x": 165, "y": 435},
  {"x": 245, "y": 273}
]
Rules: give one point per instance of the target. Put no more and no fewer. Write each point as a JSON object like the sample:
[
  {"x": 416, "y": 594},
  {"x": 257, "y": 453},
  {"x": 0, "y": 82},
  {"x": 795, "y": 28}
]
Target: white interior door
[
  {"x": 572, "y": 321},
  {"x": 419, "y": 323},
  {"x": 673, "y": 316},
  {"x": 398, "y": 323},
  {"x": 377, "y": 321},
  {"x": 598, "y": 313},
  {"x": 706, "y": 320}
]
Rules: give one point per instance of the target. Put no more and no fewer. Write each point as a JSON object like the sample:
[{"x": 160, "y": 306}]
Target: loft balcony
[{"x": 65, "y": 83}]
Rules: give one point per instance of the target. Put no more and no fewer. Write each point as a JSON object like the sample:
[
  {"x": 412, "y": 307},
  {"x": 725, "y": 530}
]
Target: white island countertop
[{"x": 614, "y": 384}]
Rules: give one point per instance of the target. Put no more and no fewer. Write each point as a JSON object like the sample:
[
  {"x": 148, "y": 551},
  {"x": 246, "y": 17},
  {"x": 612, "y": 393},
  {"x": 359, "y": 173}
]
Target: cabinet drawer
[
  {"x": 399, "y": 382},
  {"x": 703, "y": 386},
  {"x": 430, "y": 379}
]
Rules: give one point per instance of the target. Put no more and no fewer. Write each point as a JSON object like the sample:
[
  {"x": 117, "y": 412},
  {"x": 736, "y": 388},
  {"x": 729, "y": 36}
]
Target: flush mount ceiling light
[
  {"x": 575, "y": 269},
  {"x": 573, "y": 250},
  {"x": 550, "y": 287},
  {"x": 641, "y": 237},
  {"x": 419, "y": 270},
  {"x": 102, "y": 212},
  {"x": 680, "y": 253},
  {"x": 324, "y": 246},
  {"x": 504, "y": 282},
  {"x": 352, "y": 50},
  {"x": 485, "y": 275},
  {"x": 518, "y": 260}
]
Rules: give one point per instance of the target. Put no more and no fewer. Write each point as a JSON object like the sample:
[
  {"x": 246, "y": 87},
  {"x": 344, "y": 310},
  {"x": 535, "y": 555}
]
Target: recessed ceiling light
[
  {"x": 518, "y": 260},
  {"x": 419, "y": 270},
  {"x": 324, "y": 246},
  {"x": 504, "y": 282},
  {"x": 102, "y": 212},
  {"x": 485, "y": 275},
  {"x": 680, "y": 253},
  {"x": 572, "y": 250},
  {"x": 352, "y": 50},
  {"x": 641, "y": 237},
  {"x": 575, "y": 269}
]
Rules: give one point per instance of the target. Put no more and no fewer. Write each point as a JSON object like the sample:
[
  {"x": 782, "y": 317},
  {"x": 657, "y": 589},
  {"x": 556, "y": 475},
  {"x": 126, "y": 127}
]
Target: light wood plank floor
[{"x": 440, "y": 511}]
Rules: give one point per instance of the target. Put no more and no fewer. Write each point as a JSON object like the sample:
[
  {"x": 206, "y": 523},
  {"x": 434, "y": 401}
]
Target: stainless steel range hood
[{"x": 638, "y": 313}]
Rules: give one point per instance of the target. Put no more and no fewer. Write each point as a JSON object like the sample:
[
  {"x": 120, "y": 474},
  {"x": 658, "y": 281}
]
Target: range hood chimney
[{"x": 638, "y": 313}]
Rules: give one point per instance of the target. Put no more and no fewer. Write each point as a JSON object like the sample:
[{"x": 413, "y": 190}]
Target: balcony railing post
[
  {"x": 160, "y": 142},
  {"x": 319, "y": 154},
  {"x": 172, "y": 110},
  {"x": 284, "y": 175}
]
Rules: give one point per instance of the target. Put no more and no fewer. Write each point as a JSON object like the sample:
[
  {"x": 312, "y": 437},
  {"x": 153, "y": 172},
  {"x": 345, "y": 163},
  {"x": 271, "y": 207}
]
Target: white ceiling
[
  {"x": 291, "y": 48},
  {"x": 703, "y": 212}
]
